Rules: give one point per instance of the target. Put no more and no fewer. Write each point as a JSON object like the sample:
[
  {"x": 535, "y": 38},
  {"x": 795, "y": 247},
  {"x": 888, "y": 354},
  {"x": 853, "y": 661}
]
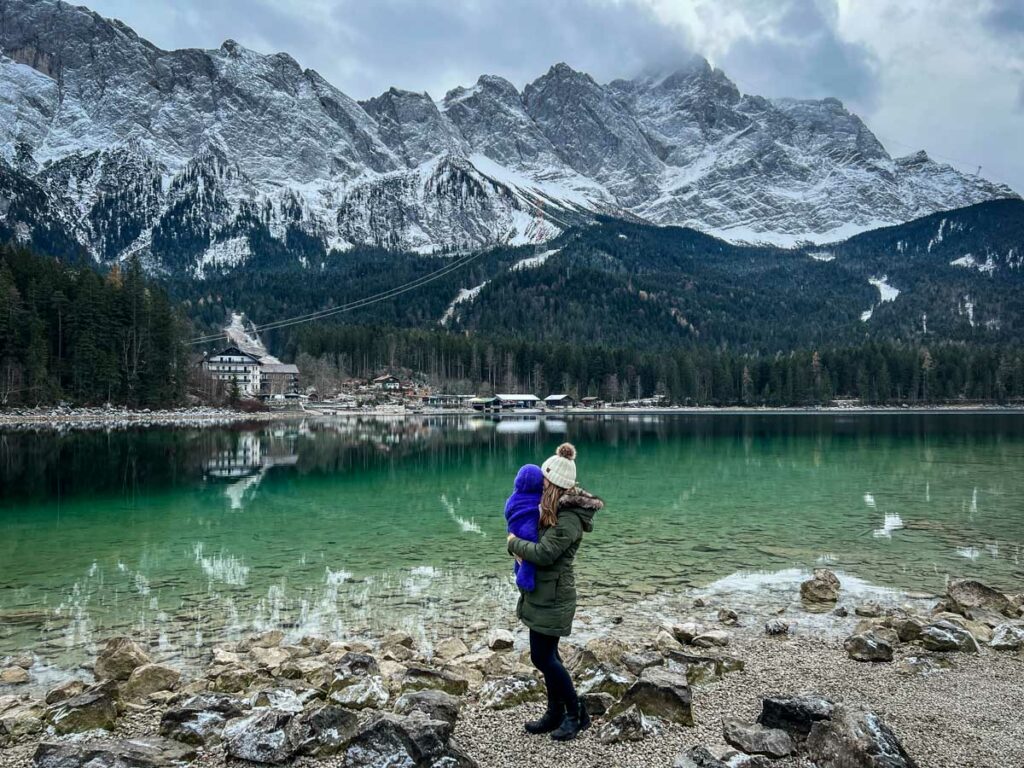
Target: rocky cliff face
[{"x": 189, "y": 157}]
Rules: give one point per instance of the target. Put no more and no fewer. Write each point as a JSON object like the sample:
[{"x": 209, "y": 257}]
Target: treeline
[
  {"x": 70, "y": 333},
  {"x": 875, "y": 372}
]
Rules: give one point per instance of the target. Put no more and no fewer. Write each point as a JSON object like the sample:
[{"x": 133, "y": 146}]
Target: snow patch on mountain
[
  {"x": 464, "y": 295},
  {"x": 988, "y": 266},
  {"x": 530, "y": 262},
  {"x": 886, "y": 293}
]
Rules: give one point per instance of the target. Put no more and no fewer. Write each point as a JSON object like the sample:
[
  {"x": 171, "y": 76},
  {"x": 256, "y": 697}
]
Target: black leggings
[{"x": 544, "y": 655}]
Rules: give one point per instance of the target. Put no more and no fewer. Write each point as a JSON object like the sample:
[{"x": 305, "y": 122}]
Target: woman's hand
[{"x": 512, "y": 536}]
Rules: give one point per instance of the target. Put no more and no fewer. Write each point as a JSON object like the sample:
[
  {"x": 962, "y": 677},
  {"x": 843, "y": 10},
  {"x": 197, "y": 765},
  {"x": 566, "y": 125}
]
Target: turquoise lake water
[{"x": 189, "y": 536}]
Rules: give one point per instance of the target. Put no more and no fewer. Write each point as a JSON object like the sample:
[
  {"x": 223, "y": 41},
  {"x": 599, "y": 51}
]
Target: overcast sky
[{"x": 942, "y": 75}]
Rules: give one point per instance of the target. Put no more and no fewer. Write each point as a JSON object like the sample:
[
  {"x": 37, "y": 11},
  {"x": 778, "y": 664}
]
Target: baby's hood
[{"x": 530, "y": 479}]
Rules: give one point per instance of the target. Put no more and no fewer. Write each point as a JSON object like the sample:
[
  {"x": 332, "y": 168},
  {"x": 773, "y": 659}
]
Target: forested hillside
[
  {"x": 68, "y": 332},
  {"x": 876, "y": 373}
]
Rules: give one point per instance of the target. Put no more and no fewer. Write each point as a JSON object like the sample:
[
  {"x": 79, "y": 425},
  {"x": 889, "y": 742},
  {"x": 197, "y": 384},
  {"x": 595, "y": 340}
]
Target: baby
[{"x": 522, "y": 513}]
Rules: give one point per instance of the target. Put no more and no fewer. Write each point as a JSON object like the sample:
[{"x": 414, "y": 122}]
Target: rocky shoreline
[
  {"x": 906, "y": 688},
  {"x": 66, "y": 418}
]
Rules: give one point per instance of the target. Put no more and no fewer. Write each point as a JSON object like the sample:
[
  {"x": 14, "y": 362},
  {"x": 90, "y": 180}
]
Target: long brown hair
[{"x": 549, "y": 499}]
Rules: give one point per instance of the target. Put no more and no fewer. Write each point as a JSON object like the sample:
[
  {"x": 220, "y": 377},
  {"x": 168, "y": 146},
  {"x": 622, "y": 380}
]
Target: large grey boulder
[
  {"x": 604, "y": 677},
  {"x": 661, "y": 693},
  {"x": 698, "y": 757},
  {"x": 500, "y": 640},
  {"x": 868, "y": 646},
  {"x": 97, "y": 707},
  {"x": 852, "y": 738},
  {"x": 276, "y": 736},
  {"x": 628, "y": 725},
  {"x": 19, "y": 720},
  {"x": 323, "y": 730},
  {"x": 261, "y": 737},
  {"x": 511, "y": 691},
  {"x": 143, "y": 752},
  {"x": 946, "y": 636},
  {"x": 66, "y": 690},
  {"x": 794, "y": 714},
  {"x": 975, "y": 600},
  {"x": 636, "y": 663},
  {"x": 119, "y": 658},
  {"x": 200, "y": 719},
  {"x": 1007, "y": 637},
  {"x": 436, "y": 705},
  {"x": 412, "y": 740},
  {"x": 821, "y": 589},
  {"x": 364, "y": 693},
  {"x": 756, "y": 739},
  {"x": 149, "y": 679},
  {"x": 419, "y": 676}
]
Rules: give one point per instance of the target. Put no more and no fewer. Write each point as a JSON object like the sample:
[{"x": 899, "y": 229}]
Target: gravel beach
[
  {"x": 967, "y": 716},
  {"x": 964, "y": 715}
]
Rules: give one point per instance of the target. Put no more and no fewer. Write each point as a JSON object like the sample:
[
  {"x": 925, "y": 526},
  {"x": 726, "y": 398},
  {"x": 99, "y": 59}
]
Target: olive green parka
[{"x": 551, "y": 606}]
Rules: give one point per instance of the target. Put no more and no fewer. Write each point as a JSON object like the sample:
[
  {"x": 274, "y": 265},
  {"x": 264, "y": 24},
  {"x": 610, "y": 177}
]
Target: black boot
[
  {"x": 573, "y": 724},
  {"x": 549, "y": 721}
]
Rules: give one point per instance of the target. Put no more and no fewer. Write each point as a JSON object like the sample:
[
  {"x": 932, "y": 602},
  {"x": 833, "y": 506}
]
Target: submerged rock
[
  {"x": 13, "y": 675},
  {"x": 628, "y": 725},
  {"x": 450, "y": 649},
  {"x": 143, "y": 752},
  {"x": 119, "y": 658},
  {"x": 756, "y": 739}
]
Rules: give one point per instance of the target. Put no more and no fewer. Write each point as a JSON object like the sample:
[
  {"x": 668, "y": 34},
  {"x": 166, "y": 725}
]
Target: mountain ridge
[{"x": 194, "y": 159}]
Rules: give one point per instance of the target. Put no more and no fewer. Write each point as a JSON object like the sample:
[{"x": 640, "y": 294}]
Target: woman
[{"x": 566, "y": 511}]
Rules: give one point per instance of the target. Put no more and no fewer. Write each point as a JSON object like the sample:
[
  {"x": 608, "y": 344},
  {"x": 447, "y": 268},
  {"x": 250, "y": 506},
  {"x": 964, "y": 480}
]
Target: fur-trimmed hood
[{"x": 583, "y": 503}]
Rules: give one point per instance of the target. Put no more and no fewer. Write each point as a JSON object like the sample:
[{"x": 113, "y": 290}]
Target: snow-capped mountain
[{"x": 197, "y": 159}]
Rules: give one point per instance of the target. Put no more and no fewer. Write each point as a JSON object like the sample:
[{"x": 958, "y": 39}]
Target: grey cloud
[
  {"x": 437, "y": 44},
  {"x": 796, "y": 51},
  {"x": 1005, "y": 18}
]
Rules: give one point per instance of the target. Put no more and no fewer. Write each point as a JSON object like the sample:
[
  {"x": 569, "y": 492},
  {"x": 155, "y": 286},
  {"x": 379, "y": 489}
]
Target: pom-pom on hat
[{"x": 560, "y": 469}]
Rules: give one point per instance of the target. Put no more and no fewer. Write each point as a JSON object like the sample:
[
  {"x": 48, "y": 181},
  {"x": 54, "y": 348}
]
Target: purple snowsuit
[{"x": 522, "y": 512}]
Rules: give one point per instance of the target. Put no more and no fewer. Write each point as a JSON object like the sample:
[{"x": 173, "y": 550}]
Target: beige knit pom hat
[{"x": 560, "y": 469}]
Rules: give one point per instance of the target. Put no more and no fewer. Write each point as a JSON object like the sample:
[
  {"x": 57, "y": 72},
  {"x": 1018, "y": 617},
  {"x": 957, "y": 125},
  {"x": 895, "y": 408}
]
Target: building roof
[
  {"x": 279, "y": 368},
  {"x": 517, "y": 397},
  {"x": 558, "y": 397},
  {"x": 233, "y": 351},
  {"x": 385, "y": 377}
]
